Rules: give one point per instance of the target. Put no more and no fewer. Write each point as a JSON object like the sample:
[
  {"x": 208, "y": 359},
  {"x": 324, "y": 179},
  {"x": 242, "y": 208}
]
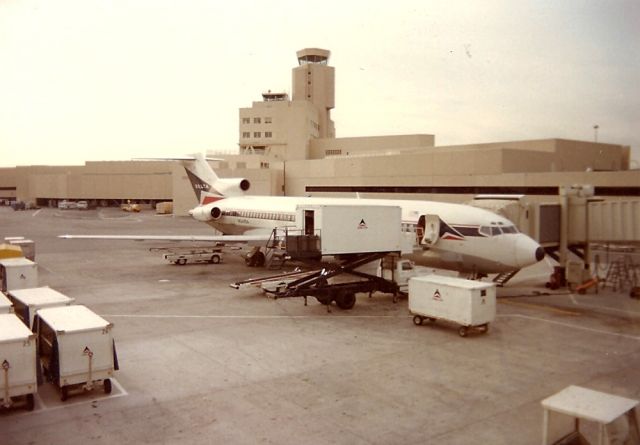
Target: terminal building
[{"x": 288, "y": 146}]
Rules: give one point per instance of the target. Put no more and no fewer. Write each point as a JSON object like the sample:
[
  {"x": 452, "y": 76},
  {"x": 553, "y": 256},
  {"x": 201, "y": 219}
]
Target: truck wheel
[
  {"x": 259, "y": 259},
  {"x": 182, "y": 261},
  {"x": 215, "y": 259},
  {"x": 462, "y": 331},
  {"x": 346, "y": 301},
  {"x": 107, "y": 386},
  {"x": 30, "y": 402},
  {"x": 417, "y": 320},
  {"x": 64, "y": 393}
]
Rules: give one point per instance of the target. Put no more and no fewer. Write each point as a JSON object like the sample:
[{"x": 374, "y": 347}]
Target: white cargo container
[
  {"x": 26, "y": 302},
  {"x": 6, "y": 307},
  {"x": 18, "y": 361},
  {"x": 18, "y": 273},
  {"x": 77, "y": 349},
  {"x": 471, "y": 304},
  {"x": 28, "y": 247},
  {"x": 347, "y": 229}
]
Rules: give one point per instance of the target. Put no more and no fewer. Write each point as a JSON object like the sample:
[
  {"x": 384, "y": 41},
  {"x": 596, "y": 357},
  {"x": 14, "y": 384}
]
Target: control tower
[{"x": 314, "y": 81}]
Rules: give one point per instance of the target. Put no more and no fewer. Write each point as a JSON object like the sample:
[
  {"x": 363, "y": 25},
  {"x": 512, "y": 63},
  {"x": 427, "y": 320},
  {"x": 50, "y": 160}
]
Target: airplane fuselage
[{"x": 470, "y": 239}]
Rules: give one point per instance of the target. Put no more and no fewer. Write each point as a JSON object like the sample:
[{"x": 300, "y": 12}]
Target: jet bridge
[{"x": 571, "y": 224}]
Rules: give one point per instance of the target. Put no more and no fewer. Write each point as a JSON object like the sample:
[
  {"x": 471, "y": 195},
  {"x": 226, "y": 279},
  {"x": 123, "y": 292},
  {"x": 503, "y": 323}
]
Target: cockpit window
[{"x": 495, "y": 230}]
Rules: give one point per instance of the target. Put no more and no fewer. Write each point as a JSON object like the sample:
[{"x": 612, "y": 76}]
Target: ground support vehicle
[
  {"x": 18, "y": 360},
  {"x": 18, "y": 273},
  {"x": 470, "y": 304},
  {"x": 26, "y": 302},
  {"x": 338, "y": 281},
  {"x": 182, "y": 256},
  {"x": 76, "y": 347}
]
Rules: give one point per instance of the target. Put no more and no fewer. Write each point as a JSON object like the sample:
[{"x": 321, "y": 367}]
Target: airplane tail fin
[{"x": 207, "y": 186}]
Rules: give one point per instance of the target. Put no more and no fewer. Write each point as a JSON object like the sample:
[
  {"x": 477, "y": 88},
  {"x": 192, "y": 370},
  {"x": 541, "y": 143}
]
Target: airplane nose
[{"x": 528, "y": 252}]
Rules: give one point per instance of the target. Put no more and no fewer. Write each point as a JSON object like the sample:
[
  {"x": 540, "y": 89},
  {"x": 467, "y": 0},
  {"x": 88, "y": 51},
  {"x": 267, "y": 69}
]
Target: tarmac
[{"x": 202, "y": 363}]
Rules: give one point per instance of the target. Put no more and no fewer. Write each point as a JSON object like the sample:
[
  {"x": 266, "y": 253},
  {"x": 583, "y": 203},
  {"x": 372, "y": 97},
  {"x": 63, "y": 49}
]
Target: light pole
[{"x": 595, "y": 132}]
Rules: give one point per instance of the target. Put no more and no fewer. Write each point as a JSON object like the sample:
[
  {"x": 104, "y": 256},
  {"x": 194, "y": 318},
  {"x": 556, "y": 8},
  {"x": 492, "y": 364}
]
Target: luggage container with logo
[
  {"x": 76, "y": 347},
  {"x": 470, "y": 304},
  {"x": 18, "y": 273},
  {"x": 26, "y": 302},
  {"x": 18, "y": 362}
]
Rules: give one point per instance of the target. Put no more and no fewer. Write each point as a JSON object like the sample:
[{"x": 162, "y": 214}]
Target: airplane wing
[{"x": 213, "y": 238}]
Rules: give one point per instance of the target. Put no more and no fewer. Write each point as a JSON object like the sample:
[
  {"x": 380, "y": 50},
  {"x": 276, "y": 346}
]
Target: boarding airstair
[{"x": 502, "y": 278}]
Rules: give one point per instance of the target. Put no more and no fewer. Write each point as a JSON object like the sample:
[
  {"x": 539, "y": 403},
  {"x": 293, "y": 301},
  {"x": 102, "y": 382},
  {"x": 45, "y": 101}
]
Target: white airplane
[{"x": 447, "y": 236}]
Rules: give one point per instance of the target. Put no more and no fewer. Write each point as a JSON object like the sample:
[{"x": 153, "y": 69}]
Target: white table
[{"x": 587, "y": 404}]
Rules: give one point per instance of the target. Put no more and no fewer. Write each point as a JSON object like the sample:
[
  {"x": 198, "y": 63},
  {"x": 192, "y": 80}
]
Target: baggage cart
[
  {"x": 18, "y": 273},
  {"x": 18, "y": 360},
  {"x": 26, "y": 302},
  {"x": 76, "y": 347},
  {"x": 470, "y": 304}
]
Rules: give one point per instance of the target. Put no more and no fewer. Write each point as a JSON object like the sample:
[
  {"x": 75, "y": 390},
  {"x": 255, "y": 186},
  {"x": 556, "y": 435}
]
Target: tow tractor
[
  {"x": 356, "y": 238},
  {"x": 184, "y": 255}
]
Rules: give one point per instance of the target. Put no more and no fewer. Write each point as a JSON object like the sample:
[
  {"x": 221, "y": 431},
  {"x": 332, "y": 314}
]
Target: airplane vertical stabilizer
[{"x": 207, "y": 186}]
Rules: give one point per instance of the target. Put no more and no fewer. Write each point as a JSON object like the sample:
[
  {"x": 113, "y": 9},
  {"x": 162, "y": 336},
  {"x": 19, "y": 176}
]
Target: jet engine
[
  {"x": 206, "y": 213},
  {"x": 232, "y": 186}
]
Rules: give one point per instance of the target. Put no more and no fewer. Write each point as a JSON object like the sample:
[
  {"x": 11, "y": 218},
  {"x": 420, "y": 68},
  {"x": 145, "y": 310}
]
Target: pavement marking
[
  {"x": 249, "y": 317},
  {"x": 604, "y": 308},
  {"x": 41, "y": 402},
  {"x": 36, "y": 212},
  {"x": 539, "y": 306},
  {"x": 569, "y": 325},
  {"x": 66, "y": 404}
]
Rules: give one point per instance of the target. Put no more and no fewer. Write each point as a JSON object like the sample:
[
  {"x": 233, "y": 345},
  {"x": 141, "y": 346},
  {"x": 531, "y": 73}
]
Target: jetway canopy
[
  {"x": 614, "y": 221},
  {"x": 588, "y": 218}
]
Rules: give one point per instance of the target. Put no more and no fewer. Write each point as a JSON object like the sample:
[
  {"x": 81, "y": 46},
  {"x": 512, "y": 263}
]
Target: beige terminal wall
[{"x": 138, "y": 180}]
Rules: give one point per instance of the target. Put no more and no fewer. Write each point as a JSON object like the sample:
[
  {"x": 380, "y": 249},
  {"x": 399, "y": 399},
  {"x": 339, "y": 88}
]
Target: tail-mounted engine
[
  {"x": 206, "y": 213},
  {"x": 232, "y": 186}
]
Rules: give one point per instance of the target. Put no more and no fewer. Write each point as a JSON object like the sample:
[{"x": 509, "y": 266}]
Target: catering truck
[
  {"x": 77, "y": 349},
  {"x": 18, "y": 372}
]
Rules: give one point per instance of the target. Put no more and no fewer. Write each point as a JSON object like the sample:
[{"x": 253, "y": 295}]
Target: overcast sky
[{"x": 101, "y": 80}]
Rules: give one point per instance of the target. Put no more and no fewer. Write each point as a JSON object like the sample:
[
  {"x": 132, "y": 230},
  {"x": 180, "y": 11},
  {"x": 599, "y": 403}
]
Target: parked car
[
  {"x": 64, "y": 204},
  {"x": 82, "y": 205}
]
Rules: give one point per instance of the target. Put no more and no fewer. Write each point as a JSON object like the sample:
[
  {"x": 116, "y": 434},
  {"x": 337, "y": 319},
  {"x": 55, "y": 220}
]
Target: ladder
[{"x": 502, "y": 278}]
